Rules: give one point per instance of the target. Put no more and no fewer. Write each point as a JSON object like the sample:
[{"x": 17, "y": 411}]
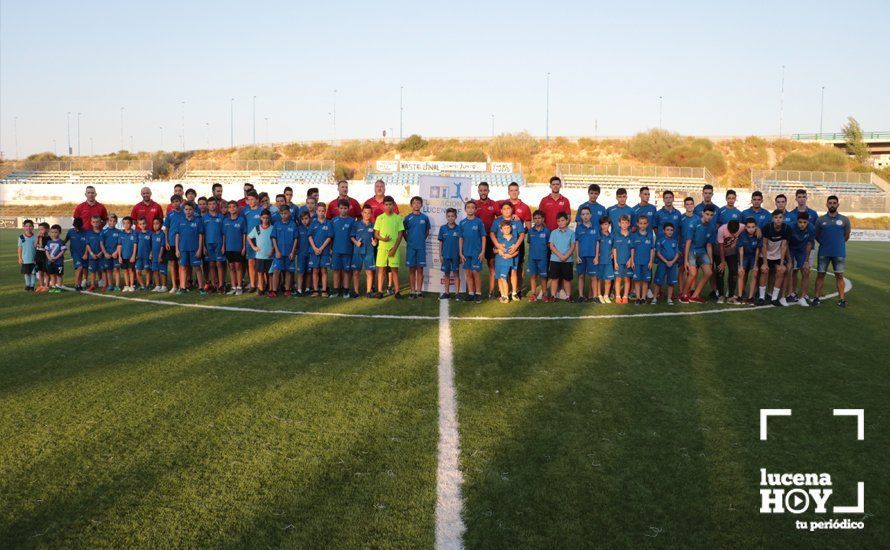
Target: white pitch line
[
  {"x": 848, "y": 285},
  {"x": 449, "y": 502}
]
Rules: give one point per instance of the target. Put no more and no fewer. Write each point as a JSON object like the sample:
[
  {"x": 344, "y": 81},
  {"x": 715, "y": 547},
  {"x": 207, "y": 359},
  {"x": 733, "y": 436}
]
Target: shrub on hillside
[
  {"x": 342, "y": 172},
  {"x": 469, "y": 155},
  {"x": 359, "y": 151},
  {"x": 699, "y": 153},
  {"x": 257, "y": 153},
  {"x": 830, "y": 160},
  {"x": 512, "y": 147},
  {"x": 651, "y": 146},
  {"x": 413, "y": 143},
  {"x": 41, "y": 157}
]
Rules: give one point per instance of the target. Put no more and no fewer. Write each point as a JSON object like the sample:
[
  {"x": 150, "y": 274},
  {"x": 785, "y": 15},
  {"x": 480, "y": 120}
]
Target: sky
[{"x": 716, "y": 65}]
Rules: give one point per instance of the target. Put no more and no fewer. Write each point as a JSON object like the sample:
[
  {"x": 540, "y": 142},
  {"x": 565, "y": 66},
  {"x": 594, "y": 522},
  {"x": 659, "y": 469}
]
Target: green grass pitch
[{"x": 128, "y": 424}]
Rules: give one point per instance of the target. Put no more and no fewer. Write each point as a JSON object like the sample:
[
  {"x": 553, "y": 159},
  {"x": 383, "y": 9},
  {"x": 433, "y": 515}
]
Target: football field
[{"x": 145, "y": 420}]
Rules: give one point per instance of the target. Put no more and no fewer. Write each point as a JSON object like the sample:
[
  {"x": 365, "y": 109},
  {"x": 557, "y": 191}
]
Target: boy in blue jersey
[
  {"x": 363, "y": 258},
  {"x": 643, "y": 245},
  {"x": 699, "y": 253},
  {"x": 668, "y": 252},
  {"x": 832, "y": 234},
  {"x": 275, "y": 209},
  {"x": 171, "y": 222},
  {"x": 538, "y": 253},
  {"x": 597, "y": 210},
  {"x": 667, "y": 214},
  {"x": 800, "y": 196},
  {"x": 688, "y": 219},
  {"x": 622, "y": 252},
  {"x": 587, "y": 235},
  {"x": 234, "y": 245},
  {"x": 189, "y": 242},
  {"x": 472, "y": 251},
  {"x": 40, "y": 258},
  {"x": 449, "y": 252},
  {"x": 562, "y": 251},
  {"x": 284, "y": 244},
  {"x": 55, "y": 259},
  {"x": 27, "y": 253},
  {"x": 320, "y": 237},
  {"x": 75, "y": 238},
  {"x": 260, "y": 241},
  {"x": 803, "y": 235},
  {"x": 644, "y": 208},
  {"x": 304, "y": 251},
  {"x": 252, "y": 215},
  {"x": 158, "y": 253},
  {"x": 518, "y": 232},
  {"x": 749, "y": 261},
  {"x": 760, "y": 215},
  {"x": 93, "y": 255},
  {"x": 605, "y": 260},
  {"x": 111, "y": 245},
  {"x": 342, "y": 249},
  {"x": 505, "y": 262},
  {"x": 726, "y": 214},
  {"x": 128, "y": 240},
  {"x": 621, "y": 209},
  {"x": 707, "y": 193},
  {"x": 143, "y": 254},
  {"x": 213, "y": 257},
  {"x": 417, "y": 230}
]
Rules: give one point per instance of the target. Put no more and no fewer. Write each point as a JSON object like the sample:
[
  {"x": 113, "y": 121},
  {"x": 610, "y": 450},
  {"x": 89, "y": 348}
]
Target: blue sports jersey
[
  {"x": 212, "y": 228},
  {"x": 262, "y": 237},
  {"x": 587, "y": 236},
  {"x": 502, "y": 262},
  {"x": 54, "y": 247},
  {"x": 234, "y": 230},
  {"x": 667, "y": 247},
  {"x": 831, "y": 233},
  {"x": 342, "y": 231},
  {"x": 685, "y": 229},
  {"x": 252, "y": 217},
  {"x": 648, "y": 209},
  {"x": 28, "y": 245},
  {"x": 700, "y": 207},
  {"x": 748, "y": 243},
  {"x": 303, "y": 232},
  {"x": 790, "y": 218},
  {"x": 538, "y": 243},
  {"x": 320, "y": 231},
  {"x": 158, "y": 245},
  {"x": 128, "y": 244},
  {"x": 517, "y": 227},
  {"x": 642, "y": 245},
  {"x": 143, "y": 244},
  {"x": 726, "y": 214},
  {"x": 111, "y": 239},
  {"x": 472, "y": 232},
  {"x": 597, "y": 211},
  {"x": 606, "y": 243},
  {"x": 793, "y": 215},
  {"x": 284, "y": 234},
  {"x": 799, "y": 239},
  {"x": 761, "y": 216},
  {"x": 76, "y": 242},
  {"x": 615, "y": 212},
  {"x": 664, "y": 216},
  {"x": 417, "y": 228},
  {"x": 623, "y": 245},
  {"x": 92, "y": 239},
  {"x": 364, "y": 233},
  {"x": 700, "y": 236},
  {"x": 171, "y": 221},
  {"x": 449, "y": 236},
  {"x": 188, "y": 231}
]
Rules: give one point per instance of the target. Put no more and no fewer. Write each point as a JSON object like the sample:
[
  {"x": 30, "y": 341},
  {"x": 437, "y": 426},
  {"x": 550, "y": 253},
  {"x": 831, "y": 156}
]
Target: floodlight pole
[
  {"x": 207, "y": 133},
  {"x": 254, "y": 120},
  {"x": 334, "y": 120},
  {"x": 69, "y": 133},
  {"x": 161, "y": 128},
  {"x": 821, "y": 112},
  {"x": 183, "y": 124},
  {"x": 660, "y": 110},
  {"x": 267, "y": 130},
  {"x": 782, "y": 102},
  {"x": 15, "y": 135},
  {"x": 492, "y": 125},
  {"x": 547, "y": 112},
  {"x": 122, "y": 128},
  {"x": 78, "y": 134},
  {"x": 401, "y": 109},
  {"x": 232, "y": 122}
]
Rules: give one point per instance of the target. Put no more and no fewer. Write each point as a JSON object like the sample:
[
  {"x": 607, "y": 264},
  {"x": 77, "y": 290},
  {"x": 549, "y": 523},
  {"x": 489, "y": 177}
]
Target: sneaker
[
  {"x": 162, "y": 289},
  {"x": 180, "y": 291},
  {"x": 816, "y": 302},
  {"x": 239, "y": 291},
  {"x": 684, "y": 299},
  {"x": 791, "y": 298},
  {"x": 397, "y": 295},
  {"x": 491, "y": 295},
  {"x": 649, "y": 294},
  {"x": 514, "y": 298},
  {"x": 92, "y": 288},
  {"x": 654, "y": 301},
  {"x": 697, "y": 300},
  {"x": 458, "y": 297},
  {"x": 323, "y": 294},
  {"x": 760, "y": 301},
  {"x": 412, "y": 295},
  {"x": 443, "y": 296},
  {"x": 478, "y": 298},
  {"x": 519, "y": 295},
  {"x": 607, "y": 300},
  {"x": 669, "y": 302},
  {"x": 504, "y": 300},
  {"x": 532, "y": 298},
  {"x": 721, "y": 300},
  {"x": 378, "y": 295},
  {"x": 783, "y": 301},
  {"x": 173, "y": 290},
  {"x": 776, "y": 303},
  {"x": 804, "y": 302},
  {"x": 232, "y": 292},
  {"x": 333, "y": 294},
  {"x": 273, "y": 294},
  {"x": 842, "y": 303},
  {"x": 202, "y": 292},
  {"x": 580, "y": 300}
]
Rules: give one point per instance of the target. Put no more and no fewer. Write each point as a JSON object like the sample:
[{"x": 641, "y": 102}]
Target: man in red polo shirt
[
  {"x": 90, "y": 207},
  {"x": 242, "y": 202},
  {"x": 376, "y": 202},
  {"x": 554, "y": 203},
  {"x": 523, "y": 213},
  {"x": 147, "y": 208},
  {"x": 355, "y": 209},
  {"x": 487, "y": 210}
]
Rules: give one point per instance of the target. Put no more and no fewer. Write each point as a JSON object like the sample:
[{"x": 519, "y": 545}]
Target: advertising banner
[{"x": 440, "y": 193}]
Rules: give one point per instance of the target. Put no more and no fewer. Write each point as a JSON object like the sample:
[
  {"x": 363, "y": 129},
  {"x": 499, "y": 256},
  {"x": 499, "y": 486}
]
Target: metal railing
[
  {"x": 838, "y": 136},
  {"x": 802, "y": 176},
  {"x": 83, "y": 165},
  {"x": 260, "y": 165},
  {"x": 623, "y": 171}
]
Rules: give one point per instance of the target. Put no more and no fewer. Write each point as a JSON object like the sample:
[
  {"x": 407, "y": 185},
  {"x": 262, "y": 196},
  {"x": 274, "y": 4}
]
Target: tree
[{"x": 853, "y": 136}]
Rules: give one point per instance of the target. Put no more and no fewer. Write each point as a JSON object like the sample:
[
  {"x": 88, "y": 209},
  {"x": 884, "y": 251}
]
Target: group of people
[{"x": 621, "y": 253}]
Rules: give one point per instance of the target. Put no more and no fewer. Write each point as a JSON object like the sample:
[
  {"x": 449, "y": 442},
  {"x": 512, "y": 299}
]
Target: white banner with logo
[
  {"x": 440, "y": 193},
  {"x": 875, "y": 235}
]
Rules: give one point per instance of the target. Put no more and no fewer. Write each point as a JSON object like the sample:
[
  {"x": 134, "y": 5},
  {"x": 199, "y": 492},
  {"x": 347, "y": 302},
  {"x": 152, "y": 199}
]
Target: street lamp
[
  {"x": 401, "y": 109},
  {"x": 69, "y": 133},
  {"x": 15, "y": 135},
  {"x": 78, "y": 134},
  {"x": 660, "y": 109},
  {"x": 547, "y": 117},
  {"x": 232, "y": 122},
  {"x": 183, "y": 125},
  {"x": 122, "y": 127},
  {"x": 254, "y": 120},
  {"x": 161, "y": 128}
]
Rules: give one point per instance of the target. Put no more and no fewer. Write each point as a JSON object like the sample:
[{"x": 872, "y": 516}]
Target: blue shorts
[
  {"x": 94, "y": 265},
  {"x": 79, "y": 262},
  {"x": 250, "y": 253},
  {"x": 302, "y": 263},
  {"x": 837, "y": 263},
  {"x": 473, "y": 263},
  {"x": 799, "y": 258},
  {"x": 342, "y": 262},
  {"x": 700, "y": 258},
  {"x": 642, "y": 272},
  {"x": 159, "y": 267},
  {"x": 502, "y": 269},
  {"x": 416, "y": 257},
  {"x": 320, "y": 261},
  {"x": 363, "y": 260},
  {"x": 586, "y": 267},
  {"x": 188, "y": 258},
  {"x": 110, "y": 263},
  {"x": 537, "y": 268},
  {"x": 142, "y": 264},
  {"x": 606, "y": 272},
  {"x": 623, "y": 271},
  {"x": 283, "y": 264},
  {"x": 664, "y": 273},
  {"x": 748, "y": 263},
  {"x": 213, "y": 253},
  {"x": 450, "y": 265}
]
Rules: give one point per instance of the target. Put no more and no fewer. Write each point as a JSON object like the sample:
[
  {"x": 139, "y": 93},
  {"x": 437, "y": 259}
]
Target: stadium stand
[
  {"x": 259, "y": 172},
  {"x": 859, "y": 191},
  {"x": 657, "y": 178},
  {"x": 413, "y": 178},
  {"x": 79, "y": 172},
  {"x": 408, "y": 172}
]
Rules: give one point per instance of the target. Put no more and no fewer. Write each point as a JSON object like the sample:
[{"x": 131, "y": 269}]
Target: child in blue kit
[
  {"x": 320, "y": 237},
  {"x": 128, "y": 239},
  {"x": 538, "y": 255},
  {"x": 110, "y": 245},
  {"x": 449, "y": 251},
  {"x": 643, "y": 244},
  {"x": 75, "y": 238},
  {"x": 143, "y": 254},
  {"x": 188, "y": 245},
  {"x": 304, "y": 251},
  {"x": 158, "y": 255},
  {"x": 260, "y": 241},
  {"x": 284, "y": 244},
  {"x": 55, "y": 259},
  {"x": 472, "y": 251},
  {"x": 417, "y": 230},
  {"x": 505, "y": 262},
  {"x": 93, "y": 255},
  {"x": 587, "y": 235},
  {"x": 606, "y": 264},
  {"x": 668, "y": 251},
  {"x": 27, "y": 253},
  {"x": 363, "y": 258},
  {"x": 342, "y": 249},
  {"x": 622, "y": 250}
]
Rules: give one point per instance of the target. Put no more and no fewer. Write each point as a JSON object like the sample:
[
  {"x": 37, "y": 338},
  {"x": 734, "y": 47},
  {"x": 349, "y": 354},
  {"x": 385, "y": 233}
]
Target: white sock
[
  {"x": 775, "y": 294},
  {"x": 762, "y": 291}
]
